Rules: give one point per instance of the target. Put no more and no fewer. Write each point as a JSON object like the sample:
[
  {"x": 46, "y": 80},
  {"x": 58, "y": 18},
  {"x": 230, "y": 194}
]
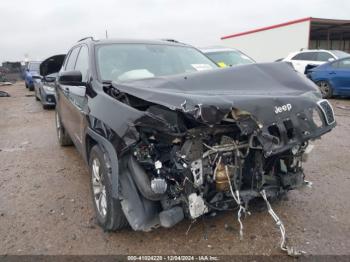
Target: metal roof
[{"x": 319, "y": 27}]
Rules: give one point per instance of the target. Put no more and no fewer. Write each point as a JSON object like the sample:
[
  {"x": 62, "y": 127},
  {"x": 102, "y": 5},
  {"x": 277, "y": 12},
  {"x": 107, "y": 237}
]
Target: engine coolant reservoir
[{"x": 221, "y": 180}]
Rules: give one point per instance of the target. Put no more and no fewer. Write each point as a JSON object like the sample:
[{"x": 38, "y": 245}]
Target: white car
[{"x": 300, "y": 60}]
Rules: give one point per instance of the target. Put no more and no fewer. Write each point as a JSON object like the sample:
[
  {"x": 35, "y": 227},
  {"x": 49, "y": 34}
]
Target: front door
[
  {"x": 77, "y": 97},
  {"x": 341, "y": 76},
  {"x": 64, "y": 100}
]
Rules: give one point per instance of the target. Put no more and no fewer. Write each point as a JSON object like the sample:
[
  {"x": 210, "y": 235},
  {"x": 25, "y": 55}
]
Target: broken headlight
[{"x": 316, "y": 118}]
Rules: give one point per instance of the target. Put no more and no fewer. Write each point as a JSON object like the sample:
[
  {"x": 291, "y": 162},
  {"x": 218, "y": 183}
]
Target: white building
[{"x": 277, "y": 41}]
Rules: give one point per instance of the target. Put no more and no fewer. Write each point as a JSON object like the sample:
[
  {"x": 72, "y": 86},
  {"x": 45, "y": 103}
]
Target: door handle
[{"x": 332, "y": 73}]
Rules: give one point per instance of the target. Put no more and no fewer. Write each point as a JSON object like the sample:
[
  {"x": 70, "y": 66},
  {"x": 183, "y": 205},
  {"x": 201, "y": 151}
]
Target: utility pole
[{"x": 106, "y": 34}]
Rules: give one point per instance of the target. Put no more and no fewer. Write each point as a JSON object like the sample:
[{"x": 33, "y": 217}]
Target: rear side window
[
  {"x": 323, "y": 56},
  {"x": 82, "y": 63},
  {"x": 308, "y": 56},
  {"x": 72, "y": 59}
]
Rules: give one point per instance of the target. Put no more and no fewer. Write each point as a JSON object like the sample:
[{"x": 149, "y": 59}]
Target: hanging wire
[{"x": 290, "y": 250}]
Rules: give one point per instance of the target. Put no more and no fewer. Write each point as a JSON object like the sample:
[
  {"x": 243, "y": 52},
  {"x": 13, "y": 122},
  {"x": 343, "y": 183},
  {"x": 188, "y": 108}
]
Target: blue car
[
  {"x": 31, "y": 72},
  {"x": 333, "y": 78}
]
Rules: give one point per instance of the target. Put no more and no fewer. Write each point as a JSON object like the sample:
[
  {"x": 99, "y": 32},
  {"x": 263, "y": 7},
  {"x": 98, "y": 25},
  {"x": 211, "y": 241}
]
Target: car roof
[
  {"x": 314, "y": 50},
  {"x": 132, "y": 41},
  {"x": 292, "y": 54}
]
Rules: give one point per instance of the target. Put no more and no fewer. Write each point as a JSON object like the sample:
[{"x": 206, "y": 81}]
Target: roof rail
[{"x": 89, "y": 37}]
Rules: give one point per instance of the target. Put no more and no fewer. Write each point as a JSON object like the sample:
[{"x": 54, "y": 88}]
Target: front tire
[
  {"x": 62, "y": 135},
  {"x": 31, "y": 87},
  {"x": 325, "y": 88},
  {"x": 36, "y": 95},
  {"x": 109, "y": 213}
]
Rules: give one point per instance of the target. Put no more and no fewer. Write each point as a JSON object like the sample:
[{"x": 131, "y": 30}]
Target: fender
[
  {"x": 113, "y": 159},
  {"x": 141, "y": 213}
]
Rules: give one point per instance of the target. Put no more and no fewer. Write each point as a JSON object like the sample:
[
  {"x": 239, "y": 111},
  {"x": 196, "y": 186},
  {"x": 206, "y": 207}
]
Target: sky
[{"x": 38, "y": 29}]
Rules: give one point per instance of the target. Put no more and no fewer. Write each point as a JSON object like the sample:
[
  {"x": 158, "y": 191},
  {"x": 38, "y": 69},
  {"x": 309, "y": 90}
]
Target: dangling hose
[
  {"x": 239, "y": 203},
  {"x": 290, "y": 250}
]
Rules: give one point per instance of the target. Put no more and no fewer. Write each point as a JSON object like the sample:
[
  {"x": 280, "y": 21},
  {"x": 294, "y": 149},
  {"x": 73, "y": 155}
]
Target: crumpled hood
[{"x": 264, "y": 90}]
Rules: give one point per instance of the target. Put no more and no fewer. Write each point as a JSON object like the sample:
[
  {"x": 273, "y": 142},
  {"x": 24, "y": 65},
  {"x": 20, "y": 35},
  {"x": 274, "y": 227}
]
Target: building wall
[
  {"x": 333, "y": 44},
  {"x": 272, "y": 44}
]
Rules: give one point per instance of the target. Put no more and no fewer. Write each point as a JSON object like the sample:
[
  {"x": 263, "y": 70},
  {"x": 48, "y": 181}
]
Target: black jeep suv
[{"x": 168, "y": 135}]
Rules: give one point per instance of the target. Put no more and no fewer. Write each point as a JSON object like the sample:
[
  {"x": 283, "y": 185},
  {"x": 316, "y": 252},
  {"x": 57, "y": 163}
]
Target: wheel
[
  {"x": 325, "y": 88},
  {"x": 26, "y": 84},
  {"x": 109, "y": 213},
  {"x": 46, "y": 107},
  {"x": 36, "y": 96},
  {"x": 31, "y": 88},
  {"x": 62, "y": 136}
]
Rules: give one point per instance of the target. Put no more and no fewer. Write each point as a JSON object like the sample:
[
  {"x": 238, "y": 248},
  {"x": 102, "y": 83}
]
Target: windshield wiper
[{"x": 106, "y": 82}]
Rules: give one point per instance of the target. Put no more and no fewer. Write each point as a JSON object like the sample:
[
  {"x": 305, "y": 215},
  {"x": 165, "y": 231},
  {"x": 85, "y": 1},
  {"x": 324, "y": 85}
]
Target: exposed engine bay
[
  {"x": 203, "y": 167},
  {"x": 195, "y": 150}
]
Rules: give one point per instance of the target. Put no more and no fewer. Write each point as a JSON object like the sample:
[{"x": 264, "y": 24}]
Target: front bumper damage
[
  {"x": 213, "y": 141},
  {"x": 48, "y": 97}
]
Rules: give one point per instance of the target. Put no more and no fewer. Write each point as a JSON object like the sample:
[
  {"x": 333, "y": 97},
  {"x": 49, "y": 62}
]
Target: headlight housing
[
  {"x": 49, "y": 88},
  {"x": 316, "y": 117}
]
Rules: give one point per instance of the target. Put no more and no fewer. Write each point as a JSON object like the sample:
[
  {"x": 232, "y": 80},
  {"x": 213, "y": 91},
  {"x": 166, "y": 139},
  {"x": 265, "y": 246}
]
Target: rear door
[{"x": 63, "y": 93}]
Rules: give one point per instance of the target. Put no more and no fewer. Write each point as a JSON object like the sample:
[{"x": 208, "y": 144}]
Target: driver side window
[
  {"x": 344, "y": 64},
  {"x": 72, "y": 59},
  {"x": 323, "y": 56},
  {"x": 82, "y": 63},
  {"x": 306, "y": 56}
]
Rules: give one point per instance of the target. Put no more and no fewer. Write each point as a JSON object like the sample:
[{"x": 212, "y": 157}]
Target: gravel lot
[{"x": 46, "y": 207}]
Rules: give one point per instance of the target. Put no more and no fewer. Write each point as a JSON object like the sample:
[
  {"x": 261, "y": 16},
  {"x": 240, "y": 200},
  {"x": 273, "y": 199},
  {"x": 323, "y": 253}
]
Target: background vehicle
[
  {"x": 224, "y": 57},
  {"x": 168, "y": 135},
  {"x": 307, "y": 59},
  {"x": 44, "y": 89},
  {"x": 31, "y": 72},
  {"x": 333, "y": 78},
  {"x": 45, "y": 86}
]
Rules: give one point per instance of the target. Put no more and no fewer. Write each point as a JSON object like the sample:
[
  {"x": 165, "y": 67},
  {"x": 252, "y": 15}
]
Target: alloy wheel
[
  {"x": 98, "y": 188},
  {"x": 325, "y": 88}
]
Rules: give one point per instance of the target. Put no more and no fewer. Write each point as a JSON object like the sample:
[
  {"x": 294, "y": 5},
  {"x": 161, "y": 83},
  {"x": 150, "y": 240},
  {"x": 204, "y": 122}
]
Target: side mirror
[
  {"x": 331, "y": 59},
  {"x": 71, "y": 78}
]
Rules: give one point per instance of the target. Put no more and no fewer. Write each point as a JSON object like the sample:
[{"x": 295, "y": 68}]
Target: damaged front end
[
  {"x": 198, "y": 167},
  {"x": 197, "y": 149}
]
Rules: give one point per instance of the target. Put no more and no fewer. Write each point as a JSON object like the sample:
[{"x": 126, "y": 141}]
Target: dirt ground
[{"x": 46, "y": 206}]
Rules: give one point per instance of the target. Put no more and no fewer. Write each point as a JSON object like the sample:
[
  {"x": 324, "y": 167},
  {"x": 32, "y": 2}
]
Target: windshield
[
  {"x": 34, "y": 67},
  {"x": 120, "y": 62},
  {"x": 229, "y": 58},
  {"x": 340, "y": 54}
]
